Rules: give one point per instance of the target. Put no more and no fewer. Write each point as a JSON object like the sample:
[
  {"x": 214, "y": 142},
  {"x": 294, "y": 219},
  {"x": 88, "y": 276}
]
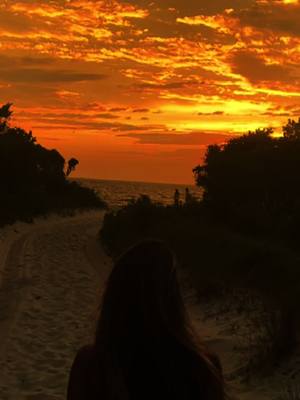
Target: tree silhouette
[
  {"x": 5, "y": 114},
  {"x": 32, "y": 177},
  {"x": 72, "y": 163},
  {"x": 254, "y": 179},
  {"x": 292, "y": 129}
]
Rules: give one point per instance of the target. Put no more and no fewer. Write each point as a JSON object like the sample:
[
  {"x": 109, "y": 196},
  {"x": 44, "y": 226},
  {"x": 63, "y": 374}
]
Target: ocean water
[{"x": 118, "y": 193}]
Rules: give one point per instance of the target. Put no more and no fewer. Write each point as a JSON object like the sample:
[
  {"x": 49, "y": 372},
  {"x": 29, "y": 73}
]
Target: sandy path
[{"x": 48, "y": 300}]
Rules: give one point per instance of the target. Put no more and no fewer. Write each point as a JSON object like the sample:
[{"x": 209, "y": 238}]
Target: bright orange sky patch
[{"x": 136, "y": 90}]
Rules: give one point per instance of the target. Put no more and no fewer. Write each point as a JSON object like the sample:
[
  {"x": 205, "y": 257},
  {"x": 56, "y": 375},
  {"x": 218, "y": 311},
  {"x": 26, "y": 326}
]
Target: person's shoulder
[
  {"x": 79, "y": 373},
  {"x": 86, "y": 351},
  {"x": 85, "y": 355}
]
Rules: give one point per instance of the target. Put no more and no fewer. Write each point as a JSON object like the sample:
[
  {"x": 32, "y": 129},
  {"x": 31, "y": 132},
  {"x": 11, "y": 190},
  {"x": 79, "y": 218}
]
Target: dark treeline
[
  {"x": 253, "y": 182},
  {"x": 241, "y": 240},
  {"x": 34, "y": 179}
]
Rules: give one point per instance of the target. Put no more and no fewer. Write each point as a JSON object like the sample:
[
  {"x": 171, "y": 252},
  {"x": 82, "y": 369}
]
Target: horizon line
[{"x": 133, "y": 181}]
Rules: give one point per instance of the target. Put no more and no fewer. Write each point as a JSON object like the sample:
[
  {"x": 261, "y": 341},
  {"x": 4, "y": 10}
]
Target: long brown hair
[{"x": 143, "y": 306}]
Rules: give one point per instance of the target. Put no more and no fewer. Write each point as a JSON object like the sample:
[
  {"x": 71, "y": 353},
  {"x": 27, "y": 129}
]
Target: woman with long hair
[{"x": 144, "y": 347}]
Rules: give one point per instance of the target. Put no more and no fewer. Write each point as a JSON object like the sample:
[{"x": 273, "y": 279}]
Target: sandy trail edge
[
  {"x": 13, "y": 288},
  {"x": 52, "y": 275}
]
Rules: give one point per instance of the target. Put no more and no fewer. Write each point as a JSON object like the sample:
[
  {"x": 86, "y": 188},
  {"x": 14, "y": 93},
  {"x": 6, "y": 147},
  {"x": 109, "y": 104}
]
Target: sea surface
[{"x": 119, "y": 193}]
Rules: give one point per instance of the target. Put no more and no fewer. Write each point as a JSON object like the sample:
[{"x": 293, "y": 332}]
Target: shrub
[{"x": 33, "y": 178}]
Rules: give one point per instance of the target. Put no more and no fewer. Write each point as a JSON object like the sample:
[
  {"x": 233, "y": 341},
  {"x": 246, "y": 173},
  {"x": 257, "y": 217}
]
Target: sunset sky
[{"x": 137, "y": 89}]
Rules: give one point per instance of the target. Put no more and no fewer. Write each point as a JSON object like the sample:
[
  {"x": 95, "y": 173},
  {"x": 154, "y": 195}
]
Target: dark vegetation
[
  {"x": 34, "y": 179},
  {"x": 253, "y": 183},
  {"x": 240, "y": 242}
]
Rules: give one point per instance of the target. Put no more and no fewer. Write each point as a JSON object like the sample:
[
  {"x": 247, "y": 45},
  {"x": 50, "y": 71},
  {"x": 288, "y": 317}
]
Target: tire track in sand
[
  {"x": 13, "y": 288},
  {"x": 52, "y": 306}
]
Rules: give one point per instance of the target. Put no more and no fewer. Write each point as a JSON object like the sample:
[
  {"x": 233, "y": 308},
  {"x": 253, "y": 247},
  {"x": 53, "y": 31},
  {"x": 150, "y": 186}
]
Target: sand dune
[{"x": 51, "y": 276}]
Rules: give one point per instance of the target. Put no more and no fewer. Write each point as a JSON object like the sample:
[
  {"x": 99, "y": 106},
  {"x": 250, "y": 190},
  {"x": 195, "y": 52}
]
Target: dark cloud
[
  {"x": 194, "y": 138},
  {"x": 141, "y": 110},
  {"x": 89, "y": 126},
  {"x": 171, "y": 85},
  {"x": 70, "y": 122},
  {"x": 106, "y": 116},
  {"x": 56, "y": 127},
  {"x": 212, "y": 113},
  {"x": 165, "y": 25},
  {"x": 25, "y": 61},
  {"x": 158, "y": 60},
  {"x": 255, "y": 69},
  {"x": 276, "y": 17},
  {"x": 117, "y": 109},
  {"x": 143, "y": 128},
  {"x": 76, "y": 117},
  {"x": 36, "y": 75},
  {"x": 37, "y": 60},
  {"x": 193, "y": 7},
  {"x": 273, "y": 114},
  {"x": 17, "y": 23}
]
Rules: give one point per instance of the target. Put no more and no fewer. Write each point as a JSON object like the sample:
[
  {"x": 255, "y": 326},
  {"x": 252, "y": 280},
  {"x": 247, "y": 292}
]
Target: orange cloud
[{"x": 118, "y": 75}]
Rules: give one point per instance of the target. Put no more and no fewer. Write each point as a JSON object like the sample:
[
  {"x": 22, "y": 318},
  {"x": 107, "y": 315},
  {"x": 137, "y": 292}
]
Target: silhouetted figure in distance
[
  {"x": 144, "y": 347},
  {"x": 188, "y": 196},
  {"x": 176, "y": 198}
]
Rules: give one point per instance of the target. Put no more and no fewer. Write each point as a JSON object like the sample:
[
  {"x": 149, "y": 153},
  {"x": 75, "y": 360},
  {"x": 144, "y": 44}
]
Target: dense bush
[
  {"x": 33, "y": 178},
  {"x": 213, "y": 254},
  {"x": 252, "y": 182}
]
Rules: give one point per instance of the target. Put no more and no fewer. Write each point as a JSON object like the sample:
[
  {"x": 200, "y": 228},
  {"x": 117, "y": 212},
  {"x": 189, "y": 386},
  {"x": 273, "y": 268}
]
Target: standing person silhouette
[
  {"x": 176, "y": 198},
  {"x": 188, "y": 196},
  {"x": 144, "y": 347}
]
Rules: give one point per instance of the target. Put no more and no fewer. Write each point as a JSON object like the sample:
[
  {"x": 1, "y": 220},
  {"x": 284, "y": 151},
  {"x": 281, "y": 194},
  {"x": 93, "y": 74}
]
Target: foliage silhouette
[
  {"x": 253, "y": 183},
  {"x": 72, "y": 163},
  {"x": 292, "y": 129},
  {"x": 32, "y": 177},
  {"x": 5, "y": 114}
]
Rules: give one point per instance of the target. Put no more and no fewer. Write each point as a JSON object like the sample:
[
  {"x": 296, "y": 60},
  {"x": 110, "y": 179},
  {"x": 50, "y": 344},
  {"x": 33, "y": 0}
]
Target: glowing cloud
[{"x": 88, "y": 71}]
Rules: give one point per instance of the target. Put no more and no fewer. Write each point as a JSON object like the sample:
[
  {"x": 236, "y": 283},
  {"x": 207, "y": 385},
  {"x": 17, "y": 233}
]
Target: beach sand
[{"x": 51, "y": 276}]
